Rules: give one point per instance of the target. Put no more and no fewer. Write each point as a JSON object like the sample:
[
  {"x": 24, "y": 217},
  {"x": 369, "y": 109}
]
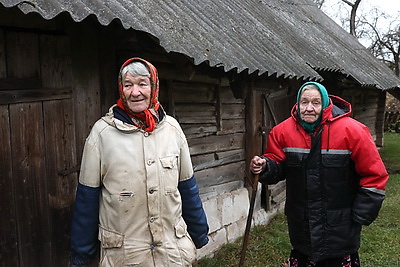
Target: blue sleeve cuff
[
  {"x": 84, "y": 225},
  {"x": 193, "y": 212}
]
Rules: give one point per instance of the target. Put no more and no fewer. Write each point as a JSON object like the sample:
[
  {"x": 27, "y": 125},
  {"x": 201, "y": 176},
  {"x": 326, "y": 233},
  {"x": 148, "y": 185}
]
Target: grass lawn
[{"x": 380, "y": 242}]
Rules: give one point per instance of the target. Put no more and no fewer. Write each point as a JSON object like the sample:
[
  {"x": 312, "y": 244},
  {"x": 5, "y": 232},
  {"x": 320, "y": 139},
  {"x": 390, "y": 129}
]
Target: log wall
[
  {"x": 214, "y": 124},
  {"x": 366, "y": 109}
]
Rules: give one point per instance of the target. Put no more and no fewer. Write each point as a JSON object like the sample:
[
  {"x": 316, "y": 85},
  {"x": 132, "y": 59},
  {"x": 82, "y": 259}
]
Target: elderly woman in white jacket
[{"x": 137, "y": 193}]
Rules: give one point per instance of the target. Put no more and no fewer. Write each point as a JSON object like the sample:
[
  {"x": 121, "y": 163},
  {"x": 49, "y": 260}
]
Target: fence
[{"x": 392, "y": 121}]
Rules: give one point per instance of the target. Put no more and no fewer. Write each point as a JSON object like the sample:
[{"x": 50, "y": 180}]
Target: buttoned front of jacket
[{"x": 140, "y": 217}]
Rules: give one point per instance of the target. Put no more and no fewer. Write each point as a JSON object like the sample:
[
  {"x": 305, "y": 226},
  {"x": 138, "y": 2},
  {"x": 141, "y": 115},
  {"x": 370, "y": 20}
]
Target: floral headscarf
[{"x": 149, "y": 118}]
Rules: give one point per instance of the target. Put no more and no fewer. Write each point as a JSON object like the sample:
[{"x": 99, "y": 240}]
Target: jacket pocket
[
  {"x": 180, "y": 229},
  {"x": 340, "y": 182},
  {"x": 337, "y": 169},
  {"x": 185, "y": 244},
  {"x": 338, "y": 217},
  {"x": 336, "y": 161},
  {"x": 110, "y": 239},
  {"x": 169, "y": 162},
  {"x": 294, "y": 171},
  {"x": 170, "y": 172},
  {"x": 112, "y": 249},
  {"x": 341, "y": 232},
  {"x": 295, "y": 159}
]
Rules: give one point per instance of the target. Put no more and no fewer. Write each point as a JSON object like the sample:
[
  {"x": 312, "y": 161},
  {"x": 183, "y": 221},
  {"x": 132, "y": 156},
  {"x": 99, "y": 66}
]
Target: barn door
[
  {"x": 276, "y": 108},
  {"x": 37, "y": 145}
]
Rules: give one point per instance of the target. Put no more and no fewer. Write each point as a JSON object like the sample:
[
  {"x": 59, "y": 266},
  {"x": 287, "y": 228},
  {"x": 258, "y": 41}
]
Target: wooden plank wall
[
  {"x": 365, "y": 106},
  {"x": 59, "y": 131},
  {"x": 380, "y": 119},
  {"x": 85, "y": 70},
  {"x": 38, "y": 148},
  {"x": 8, "y": 233},
  {"x": 214, "y": 124},
  {"x": 277, "y": 104},
  {"x": 26, "y": 145}
]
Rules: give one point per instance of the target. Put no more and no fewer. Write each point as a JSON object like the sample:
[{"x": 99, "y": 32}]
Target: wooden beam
[
  {"x": 14, "y": 83},
  {"x": 25, "y": 96}
]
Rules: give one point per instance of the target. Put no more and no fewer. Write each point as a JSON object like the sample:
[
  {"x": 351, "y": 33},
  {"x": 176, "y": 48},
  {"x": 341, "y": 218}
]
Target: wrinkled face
[
  {"x": 137, "y": 91},
  {"x": 310, "y": 105}
]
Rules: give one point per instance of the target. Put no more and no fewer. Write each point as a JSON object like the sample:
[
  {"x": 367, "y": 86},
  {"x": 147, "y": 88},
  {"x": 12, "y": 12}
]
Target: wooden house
[{"x": 229, "y": 72}]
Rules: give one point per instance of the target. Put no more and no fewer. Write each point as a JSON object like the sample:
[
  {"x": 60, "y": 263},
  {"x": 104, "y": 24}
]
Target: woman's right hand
[{"x": 257, "y": 164}]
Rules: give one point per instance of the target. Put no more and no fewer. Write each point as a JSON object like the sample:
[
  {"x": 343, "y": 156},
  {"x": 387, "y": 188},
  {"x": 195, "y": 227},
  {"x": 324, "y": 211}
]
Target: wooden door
[
  {"x": 38, "y": 149},
  {"x": 276, "y": 108}
]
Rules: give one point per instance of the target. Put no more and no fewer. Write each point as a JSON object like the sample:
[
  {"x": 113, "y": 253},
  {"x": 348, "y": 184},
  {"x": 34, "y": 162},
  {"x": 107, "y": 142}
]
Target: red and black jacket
[{"x": 335, "y": 180}]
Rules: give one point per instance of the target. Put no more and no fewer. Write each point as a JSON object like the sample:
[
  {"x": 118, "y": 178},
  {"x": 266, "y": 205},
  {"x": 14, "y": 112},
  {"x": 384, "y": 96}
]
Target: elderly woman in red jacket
[{"x": 335, "y": 178}]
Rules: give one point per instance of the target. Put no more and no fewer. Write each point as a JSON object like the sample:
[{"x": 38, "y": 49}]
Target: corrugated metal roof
[{"x": 289, "y": 38}]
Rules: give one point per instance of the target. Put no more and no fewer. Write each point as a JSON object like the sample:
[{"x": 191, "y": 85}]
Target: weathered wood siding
[
  {"x": 38, "y": 144},
  {"x": 49, "y": 99},
  {"x": 277, "y": 104},
  {"x": 365, "y": 108},
  {"x": 213, "y": 121}
]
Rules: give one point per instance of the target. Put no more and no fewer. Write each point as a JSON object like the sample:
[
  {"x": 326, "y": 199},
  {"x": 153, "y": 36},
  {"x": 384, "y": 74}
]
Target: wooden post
[
  {"x": 249, "y": 219},
  {"x": 253, "y": 126}
]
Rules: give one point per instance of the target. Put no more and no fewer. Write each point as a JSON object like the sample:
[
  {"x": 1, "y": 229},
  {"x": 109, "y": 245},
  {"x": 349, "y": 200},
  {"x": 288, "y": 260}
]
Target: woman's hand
[{"x": 257, "y": 164}]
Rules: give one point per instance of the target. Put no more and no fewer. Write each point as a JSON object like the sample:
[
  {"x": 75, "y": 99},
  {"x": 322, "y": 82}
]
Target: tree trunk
[{"x": 353, "y": 17}]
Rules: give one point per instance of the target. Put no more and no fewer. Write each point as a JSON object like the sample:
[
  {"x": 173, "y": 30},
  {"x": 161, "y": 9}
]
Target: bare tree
[
  {"x": 348, "y": 20},
  {"x": 353, "y": 13},
  {"x": 386, "y": 47},
  {"x": 319, "y": 3},
  {"x": 384, "y": 42}
]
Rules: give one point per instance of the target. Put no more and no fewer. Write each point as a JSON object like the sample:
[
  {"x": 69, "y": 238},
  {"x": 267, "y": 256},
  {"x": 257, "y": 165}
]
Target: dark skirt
[{"x": 298, "y": 259}]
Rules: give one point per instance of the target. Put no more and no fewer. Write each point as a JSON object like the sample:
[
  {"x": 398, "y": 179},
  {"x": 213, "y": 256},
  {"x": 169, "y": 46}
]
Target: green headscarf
[{"x": 310, "y": 127}]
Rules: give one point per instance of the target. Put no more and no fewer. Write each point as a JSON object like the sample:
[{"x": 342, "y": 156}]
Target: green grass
[
  {"x": 391, "y": 152},
  {"x": 380, "y": 242},
  {"x": 268, "y": 246}
]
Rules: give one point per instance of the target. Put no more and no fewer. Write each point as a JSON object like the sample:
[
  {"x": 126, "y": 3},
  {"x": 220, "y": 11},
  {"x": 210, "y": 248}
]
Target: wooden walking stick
[{"x": 249, "y": 218}]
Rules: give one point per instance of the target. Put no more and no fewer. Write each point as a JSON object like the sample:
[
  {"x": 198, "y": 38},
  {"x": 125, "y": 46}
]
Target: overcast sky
[{"x": 390, "y": 7}]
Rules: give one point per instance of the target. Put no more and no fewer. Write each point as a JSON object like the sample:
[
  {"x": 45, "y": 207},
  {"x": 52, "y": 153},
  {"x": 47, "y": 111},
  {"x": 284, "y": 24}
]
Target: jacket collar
[{"x": 118, "y": 118}]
